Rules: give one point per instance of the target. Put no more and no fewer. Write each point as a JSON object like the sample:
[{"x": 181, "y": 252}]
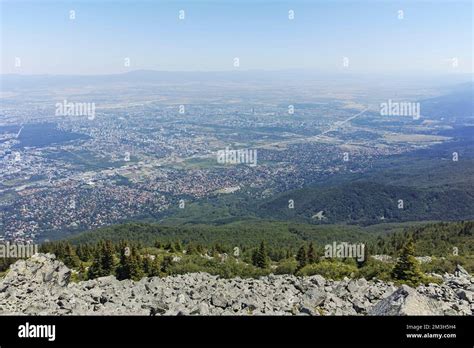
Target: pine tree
[
  {"x": 407, "y": 267},
  {"x": 130, "y": 266},
  {"x": 82, "y": 272},
  {"x": 70, "y": 258},
  {"x": 136, "y": 265},
  {"x": 220, "y": 248},
  {"x": 95, "y": 270},
  {"x": 200, "y": 249},
  {"x": 103, "y": 263},
  {"x": 260, "y": 257},
  {"x": 108, "y": 260},
  {"x": 301, "y": 257},
  {"x": 166, "y": 264},
  {"x": 122, "y": 269},
  {"x": 190, "y": 249},
  {"x": 155, "y": 267},
  {"x": 82, "y": 252},
  {"x": 171, "y": 248},
  {"x": 147, "y": 264},
  {"x": 59, "y": 249},
  {"x": 311, "y": 254},
  {"x": 178, "y": 247}
]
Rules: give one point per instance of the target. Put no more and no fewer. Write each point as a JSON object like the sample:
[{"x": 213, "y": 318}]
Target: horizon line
[{"x": 337, "y": 72}]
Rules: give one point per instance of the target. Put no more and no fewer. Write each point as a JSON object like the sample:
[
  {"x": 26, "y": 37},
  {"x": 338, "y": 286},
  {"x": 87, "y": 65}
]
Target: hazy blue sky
[{"x": 213, "y": 33}]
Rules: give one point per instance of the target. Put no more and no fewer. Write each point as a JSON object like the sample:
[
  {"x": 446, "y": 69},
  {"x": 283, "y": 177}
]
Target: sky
[{"x": 39, "y": 37}]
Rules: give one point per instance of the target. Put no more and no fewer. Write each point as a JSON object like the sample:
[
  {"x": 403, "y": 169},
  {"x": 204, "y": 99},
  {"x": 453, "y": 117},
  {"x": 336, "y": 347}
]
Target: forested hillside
[{"x": 263, "y": 248}]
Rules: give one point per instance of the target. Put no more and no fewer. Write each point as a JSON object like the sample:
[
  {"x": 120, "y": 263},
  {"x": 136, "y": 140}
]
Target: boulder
[{"x": 405, "y": 301}]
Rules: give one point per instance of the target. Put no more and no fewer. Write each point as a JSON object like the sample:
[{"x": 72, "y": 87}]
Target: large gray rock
[
  {"x": 314, "y": 297},
  {"x": 405, "y": 301},
  {"x": 465, "y": 295},
  {"x": 461, "y": 272},
  {"x": 39, "y": 269}
]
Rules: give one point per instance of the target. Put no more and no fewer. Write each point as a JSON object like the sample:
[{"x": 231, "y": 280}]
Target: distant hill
[
  {"x": 459, "y": 104},
  {"x": 370, "y": 202},
  {"x": 435, "y": 239},
  {"x": 432, "y": 188}
]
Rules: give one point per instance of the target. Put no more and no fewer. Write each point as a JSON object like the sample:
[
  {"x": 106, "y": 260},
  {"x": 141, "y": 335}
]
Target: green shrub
[
  {"x": 336, "y": 270},
  {"x": 287, "y": 266},
  {"x": 428, "y": 279},
  {"x": 376, "y": 269},
  {"x": 439, "y": 265},
  {"x": 228, "y": 269},
  {"x": 448, "y": 264}
]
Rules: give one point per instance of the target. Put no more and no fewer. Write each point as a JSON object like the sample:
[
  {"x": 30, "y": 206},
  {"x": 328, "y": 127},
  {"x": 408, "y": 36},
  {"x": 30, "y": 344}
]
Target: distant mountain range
[{"x": 12, "y": 81}]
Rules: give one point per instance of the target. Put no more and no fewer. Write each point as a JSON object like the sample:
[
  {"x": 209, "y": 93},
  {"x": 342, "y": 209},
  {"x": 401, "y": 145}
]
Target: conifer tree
[
  {"x": 83, "y": 252},
  {"x": 136, "y": 265},
  {"x": 70, "y": 258},
  {"x": 82, "y": 272},
  {"x": 60, "y": 250},
  {"x": 407, "y": 267},
  {"x": 155, "y": 267},
  {"x": 146, "y": 264},
  {"x": 103, "y": 263},
  {"x": 190, "y": 249},
  {"x": 311, "y": 254},
  {"x": 260, "y": 258},
  {"x": 178, "y": 247},
  {"x": 95, "y": 270},
  {"x": 108, "y": 260},
  {"x": 200, "y": 249},
  {"x": 301, "y": 257},
  {"x": 130, "y": 266},
  {"x": 170, "y": 247},
  {"x": 166, "y": 264}
]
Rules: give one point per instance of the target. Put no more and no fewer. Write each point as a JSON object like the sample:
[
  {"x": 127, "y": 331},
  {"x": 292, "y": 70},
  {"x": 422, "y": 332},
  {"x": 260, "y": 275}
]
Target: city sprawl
[{"x": 158, "y": 146}]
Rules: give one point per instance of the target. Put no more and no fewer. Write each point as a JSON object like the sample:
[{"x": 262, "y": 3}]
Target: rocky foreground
[{"x": 41, "y": 286}]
